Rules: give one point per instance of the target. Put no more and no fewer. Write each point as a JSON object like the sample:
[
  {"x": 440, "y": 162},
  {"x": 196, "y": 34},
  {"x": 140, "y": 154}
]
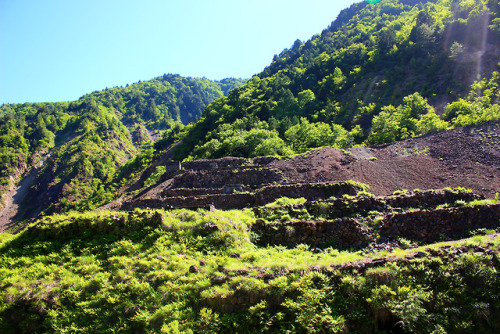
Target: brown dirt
[{"x": 467, "y": 157}]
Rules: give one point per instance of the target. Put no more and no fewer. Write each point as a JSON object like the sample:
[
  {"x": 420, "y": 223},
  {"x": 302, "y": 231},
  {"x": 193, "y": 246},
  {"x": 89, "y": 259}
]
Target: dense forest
[
  {"x": 85, "y": 141},
  {"x": 381, "y": 72}
]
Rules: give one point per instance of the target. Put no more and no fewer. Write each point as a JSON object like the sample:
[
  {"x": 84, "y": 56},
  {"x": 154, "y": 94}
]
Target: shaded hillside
[{"x": 371, "y": 60}]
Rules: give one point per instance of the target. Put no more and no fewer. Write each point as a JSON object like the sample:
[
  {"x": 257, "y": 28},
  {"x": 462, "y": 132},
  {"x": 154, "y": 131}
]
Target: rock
[
  {"x": 420, "y": 254},
  {"x": 194, "y": 269}
]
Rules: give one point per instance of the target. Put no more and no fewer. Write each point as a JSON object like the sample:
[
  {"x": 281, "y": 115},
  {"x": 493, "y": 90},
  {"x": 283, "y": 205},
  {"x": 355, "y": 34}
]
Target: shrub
[
  {"x": 282, "y": 201},
  {"x": 155, "y": 176}
]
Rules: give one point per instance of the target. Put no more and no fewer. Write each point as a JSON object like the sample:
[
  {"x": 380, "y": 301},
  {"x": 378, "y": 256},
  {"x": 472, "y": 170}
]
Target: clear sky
[{"x": 59, "y": 50}]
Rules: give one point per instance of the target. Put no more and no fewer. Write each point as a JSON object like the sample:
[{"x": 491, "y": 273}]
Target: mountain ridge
[
  {"x": 373, "y": 57},
  {"x": 85, "y": 141},
  {"x": 307, "y": 229}
]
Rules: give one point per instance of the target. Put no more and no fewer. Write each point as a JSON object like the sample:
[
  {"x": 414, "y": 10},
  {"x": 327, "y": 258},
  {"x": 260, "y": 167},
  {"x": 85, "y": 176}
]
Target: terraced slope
[
  {"x": 223, "y": 271},
  {"x": 466, "y": 157}
]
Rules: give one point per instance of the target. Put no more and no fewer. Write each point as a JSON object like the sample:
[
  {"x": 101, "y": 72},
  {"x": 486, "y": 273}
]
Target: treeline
[{"x": 371, "y": 77}]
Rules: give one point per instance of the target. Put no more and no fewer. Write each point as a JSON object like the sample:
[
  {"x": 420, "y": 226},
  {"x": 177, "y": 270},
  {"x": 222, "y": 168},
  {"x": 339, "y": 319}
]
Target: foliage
[
  {"x": 164, "y": 99},
  {"x": 480, "y": 106},
  {"x": 306, "y": 135},
  {"x": 245, "y": 137},
  {"x": 414, "y": 117},
  {"x": 371, "y": 73},
  {"x": 81, "y": 144},
  {"x": 156, "y": 176},
  {"x": 286, "y": 201},
  {"x": 197, "y": 271}
]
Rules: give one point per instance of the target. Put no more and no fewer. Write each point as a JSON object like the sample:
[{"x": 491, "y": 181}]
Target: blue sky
[{"x": 59, "y": 50}]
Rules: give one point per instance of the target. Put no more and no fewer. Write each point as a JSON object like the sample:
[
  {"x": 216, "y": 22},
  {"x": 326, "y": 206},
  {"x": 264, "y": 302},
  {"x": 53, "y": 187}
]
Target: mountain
[
  {"x": 381, "y": 72},
  {"x": 73, "y": 148},
  {"x": 303, "y": 229}
]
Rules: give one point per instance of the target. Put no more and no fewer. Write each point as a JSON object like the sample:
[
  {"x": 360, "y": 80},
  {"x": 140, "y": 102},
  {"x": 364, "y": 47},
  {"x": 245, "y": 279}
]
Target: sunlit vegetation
[
  {"x": 84, "y": 142},
  {"x": 200, "y": 272},
  {"x": 371, "y": 77}
]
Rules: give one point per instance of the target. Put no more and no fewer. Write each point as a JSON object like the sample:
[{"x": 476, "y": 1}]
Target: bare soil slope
[{"x": 467, "y": 157}]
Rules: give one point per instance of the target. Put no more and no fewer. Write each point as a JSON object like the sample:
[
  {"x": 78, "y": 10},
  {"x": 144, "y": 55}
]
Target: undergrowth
[{"x": 185, "y": 271}]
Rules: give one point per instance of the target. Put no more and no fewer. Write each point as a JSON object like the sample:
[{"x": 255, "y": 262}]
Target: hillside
[
  {"x": 350, "y": 263},
  {"x": 68, "y": 150},
  {"x": 381, "y": 72},
  {"x": 350, "y": 187},
  {"x": 472, "y": 161},
  {"x": 340, "y": 89}
]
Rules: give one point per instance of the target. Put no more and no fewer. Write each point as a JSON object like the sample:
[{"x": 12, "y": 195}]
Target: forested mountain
[
  {"x": 84, "y": 141},
  {"x": 381, "y": 72},
  {"x": 127, "y": 240}
]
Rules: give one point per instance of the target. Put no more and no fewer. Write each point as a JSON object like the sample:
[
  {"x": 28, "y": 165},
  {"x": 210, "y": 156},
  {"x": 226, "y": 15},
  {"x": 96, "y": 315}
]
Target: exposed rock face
[
  {"x": 204, "y": 164},
  {"x": 224, "y": 202},
  {"x": 341, "y": 233},
  {"x": 310, "y": 191},
  {"x": 219, "y": 178}
]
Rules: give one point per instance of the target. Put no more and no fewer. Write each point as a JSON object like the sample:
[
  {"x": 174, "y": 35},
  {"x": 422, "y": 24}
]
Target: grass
[
  {"x": 135, "y": 268},
  {"x": 182, "y": 270},
  {"x": 478, "y": 240},
  {"x": 5, "y": 237},
  {"x": 286, "y": 201}
]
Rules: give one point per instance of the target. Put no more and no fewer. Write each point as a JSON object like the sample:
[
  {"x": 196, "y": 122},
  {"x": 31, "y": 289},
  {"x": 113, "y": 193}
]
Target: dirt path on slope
[{"x": 15, "y": 197}]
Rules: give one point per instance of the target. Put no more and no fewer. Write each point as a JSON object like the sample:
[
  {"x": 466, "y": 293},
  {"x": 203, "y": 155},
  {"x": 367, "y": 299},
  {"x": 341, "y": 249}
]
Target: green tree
[{"x": 306, "y": 135}]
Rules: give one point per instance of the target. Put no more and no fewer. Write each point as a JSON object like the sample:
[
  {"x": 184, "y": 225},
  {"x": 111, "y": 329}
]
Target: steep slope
[
  {"x": 84, "y": 141},
  {"x": 467, "y": 157},
  {"x": 365, "y": 63}
]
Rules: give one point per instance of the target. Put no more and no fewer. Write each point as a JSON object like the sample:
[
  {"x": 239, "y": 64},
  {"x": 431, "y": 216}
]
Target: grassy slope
[{"x": 198, "y": 271}]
